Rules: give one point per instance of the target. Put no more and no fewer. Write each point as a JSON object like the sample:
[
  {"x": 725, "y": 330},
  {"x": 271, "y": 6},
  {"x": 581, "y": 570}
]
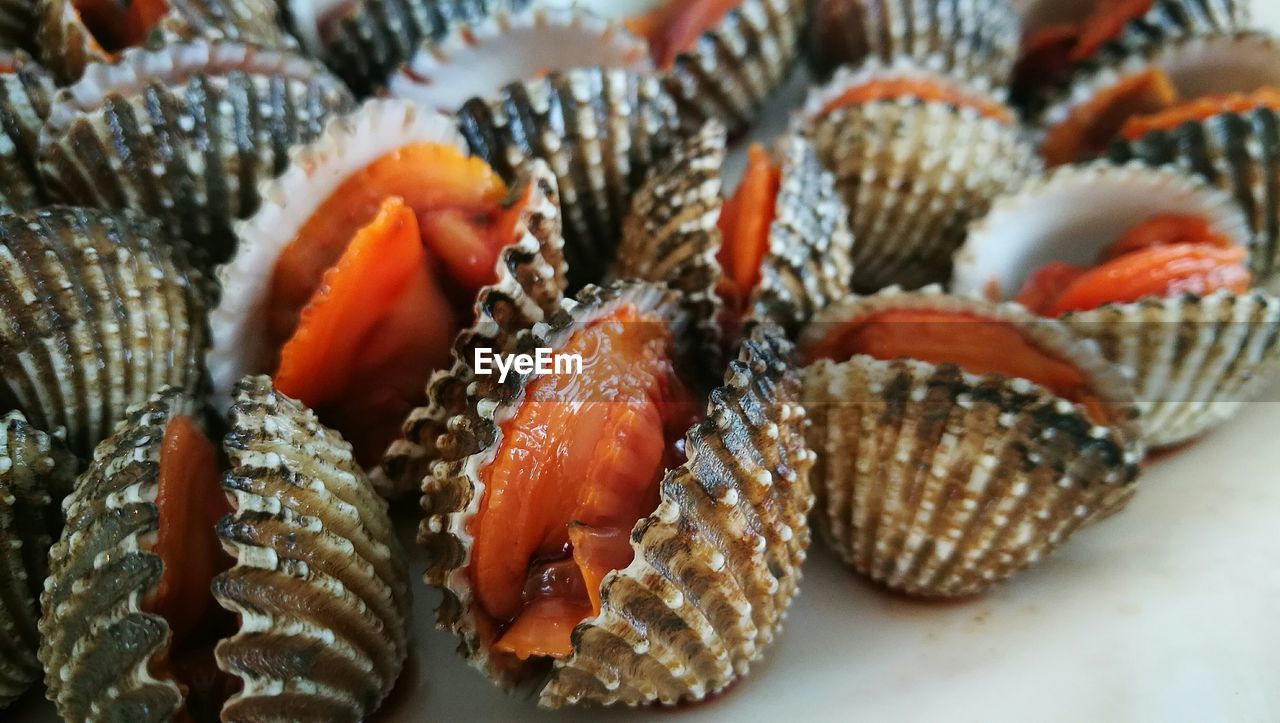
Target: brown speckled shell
[
  {"x": 936, "y": 482},
  {"x": 185, "y": 133},
  {"x": 716, "y": 564},
  {"x": 36, "y": 472},
  {"x": 972, "y": 38},
  {"x": 600, "y": 131},
  {"x": 320, "y": 583},
  {"x": 98, "y": 310},
  {"x": 67, "y": 46},
  {"x": 24, "y": 104}
]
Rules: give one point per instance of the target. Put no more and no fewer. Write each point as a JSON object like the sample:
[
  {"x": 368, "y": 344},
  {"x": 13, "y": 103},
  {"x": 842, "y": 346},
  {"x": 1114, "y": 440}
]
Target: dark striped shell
[
  {"x": 600, "y": 131},
  {"x": 24, "y": 104},
  {"x": 67, "y": 45},
  {"x": 320, "y": 583},
  {"x": 732, "y": 522},
  {"x": 36, "y": 472},
  {"x": 186, "y": 133},
  {"x": 936, "y": 482},
  {"x": 971, "y": 38},
  {"x": 98, "y": 310},
  {"x": 18, "y": 24},
  {"x": 1238, "y": 152}
]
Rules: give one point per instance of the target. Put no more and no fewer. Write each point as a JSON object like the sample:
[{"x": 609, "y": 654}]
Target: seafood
[
  {"x": 969, "y": 38},
  {"x": 1168, "y": 296},
  {"x": 18, "y": 24},
  {"x": 677, "y": 573},
  {"x": 599, "y": 130},
  {"x": 280, "y": 592},
  {"x": 25, "y": 89},
  {"x": 74, "y": 34},
  {"x": 909, "y": 197},
  {"x": 185, "y": 133},
  {"x": 478, "y": 61},
  {"x": 385, "y": 198},
  {"x": 959, "y": 441},
  {"x": 36, "y": 472},
  {"x": 98, "y": 310}
]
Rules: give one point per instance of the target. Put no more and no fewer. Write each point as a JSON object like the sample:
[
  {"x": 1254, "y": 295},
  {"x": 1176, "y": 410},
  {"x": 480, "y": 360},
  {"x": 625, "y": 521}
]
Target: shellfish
[
  {"x": 74, "y": 34},
  {"x": 659, "y": 580},
  {"x": 959, "y": 441},
  {"x": 387, "y": 199},
  {"x": 599, "y": 130},
  {"x": 36, "y": 472},
  {"x": 1171, "y": 300},
  {"x": 98, "y": 310},
  {"x": 25, "y": 89},
  {"x": 18, "y": 24},
  {"x": 286, "y": 576},
  {"x": 910, "y": 198},
  {"x": 185, "y": 133},
  {"x": 969, "y": 38}
]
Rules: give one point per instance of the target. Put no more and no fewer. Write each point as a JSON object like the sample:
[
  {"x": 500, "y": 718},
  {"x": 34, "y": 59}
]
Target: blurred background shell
[{"x": 98, "y": 310}]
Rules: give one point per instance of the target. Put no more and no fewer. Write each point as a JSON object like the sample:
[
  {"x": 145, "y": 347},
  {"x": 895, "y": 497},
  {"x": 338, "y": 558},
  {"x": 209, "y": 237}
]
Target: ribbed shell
[
  {"x": 671, "y": 234},
  {"x": 320, "y": 583},
  {"x": 909, "y": 192},
  {"x": 1193, "y": 360},
  {"x": 36, "y": 472},
  {"x": 97, "y": 644},
  {"x": 600, "y": 131},
  {"x": 716, "y": 564},
  {"x": 1238, "y": 152},
  {"x": 936, "y": 482},
  {"x": 18, "y": 24},
  {"x": 971, "y": 38},
  {"x": 67, "y": 46},
  {"x": 478, "y": 60},
  {"x": 24, "y": 104},
  {"x": 98, "y": 310},
  {"x": 186, "y": 133},
  {"x": 372, "y": 38},
  {"x": 735, "y": 66}
]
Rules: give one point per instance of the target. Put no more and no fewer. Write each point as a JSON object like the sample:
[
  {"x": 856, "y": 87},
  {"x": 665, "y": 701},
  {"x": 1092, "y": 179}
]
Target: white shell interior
[
  {"x": 1074, "y": 214},
  {"x": 610, "y": 9},
  {"x": 479, "y": 61}
]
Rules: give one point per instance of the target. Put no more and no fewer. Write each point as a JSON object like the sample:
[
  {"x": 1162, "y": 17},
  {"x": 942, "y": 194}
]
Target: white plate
[{"x": 1169, "y": 611}]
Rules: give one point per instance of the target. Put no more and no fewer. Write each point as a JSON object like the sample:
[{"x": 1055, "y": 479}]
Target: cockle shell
[
  {"x": 936, "y": 482},
  {"x": 24, "y": 104},
  {"x": 970, "y": 38},
  {"x": 67, "y": 45},
  {"x": 36, "y": 472},
  {"x": 600, "y": 131},
  {"x": 910, "y": 196},
  {"x": 98, "y": 310},
  {"x": 1194, "y": 360},
  {"x": 732, "y": 520},
  {"x": 186, "y": 133},
  {"x": 318, "y": 581},
  {"x": 18, "y": 24}
]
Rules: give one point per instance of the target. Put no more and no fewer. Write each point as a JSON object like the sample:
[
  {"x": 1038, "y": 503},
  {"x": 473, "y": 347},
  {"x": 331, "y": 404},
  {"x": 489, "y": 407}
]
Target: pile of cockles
[{"x": 252, "y": 255}]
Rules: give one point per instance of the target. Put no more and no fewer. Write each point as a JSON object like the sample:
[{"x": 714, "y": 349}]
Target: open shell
[
  {"x": 936, "y": 482},
  {"x": 1238, "y": 152},
  {"x": 732, "y": 521},
  {"x": 185, "y": 133},
  {"x": 24, "y": 104},
  {"x": 599, "y": 130},
  {"x": 671, "y": 235},
  {"x": 910, "y": 197},
  {"x": 1193, "y": 360},
  {"x": 67, "y": 45},
  {"x": 36, "y": 472},
  {"x": 98, "y": 310},
  {"x": 508, "y": 47},
  {"x": 319, "y": 582},
  {"x": 971, "y": 38}
]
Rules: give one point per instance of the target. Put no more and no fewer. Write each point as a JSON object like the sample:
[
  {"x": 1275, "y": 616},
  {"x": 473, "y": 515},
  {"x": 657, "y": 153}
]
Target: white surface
[{"x": 1166, "y": 612}]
